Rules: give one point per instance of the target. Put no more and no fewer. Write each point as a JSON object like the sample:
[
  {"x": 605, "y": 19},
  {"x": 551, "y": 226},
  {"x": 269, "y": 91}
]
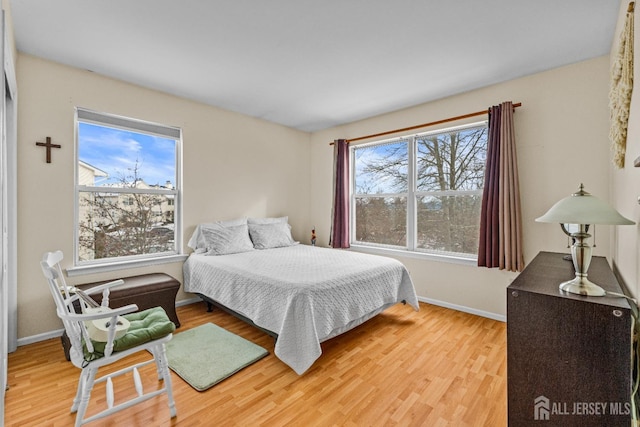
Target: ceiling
[{"x": 314, "y": 64}]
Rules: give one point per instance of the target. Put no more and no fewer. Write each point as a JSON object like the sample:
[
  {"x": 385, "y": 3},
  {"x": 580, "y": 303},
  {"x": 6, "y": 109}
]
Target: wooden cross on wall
[{"x": 49, "y": 146}]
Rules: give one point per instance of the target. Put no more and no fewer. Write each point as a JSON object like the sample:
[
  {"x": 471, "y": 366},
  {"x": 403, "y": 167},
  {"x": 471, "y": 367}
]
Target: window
[
  {"x": 127, "y": 189},
  {"x": 420, "y": 193}
]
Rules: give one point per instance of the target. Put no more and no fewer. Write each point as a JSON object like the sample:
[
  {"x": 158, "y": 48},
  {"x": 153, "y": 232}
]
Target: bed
[{"x": 302, "y": 294}]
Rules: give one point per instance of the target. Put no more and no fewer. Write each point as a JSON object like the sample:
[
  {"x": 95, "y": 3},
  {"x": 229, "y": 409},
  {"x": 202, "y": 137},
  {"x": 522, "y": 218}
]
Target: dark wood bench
[{"x": 146, "y": 291}]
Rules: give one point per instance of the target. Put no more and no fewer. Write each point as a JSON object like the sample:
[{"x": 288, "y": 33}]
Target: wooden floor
[{"x": 435, "y": 367}]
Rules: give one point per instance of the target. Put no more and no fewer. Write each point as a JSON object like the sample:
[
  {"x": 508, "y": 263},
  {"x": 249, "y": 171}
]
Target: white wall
[
  {"x": 561, "y": 136},
  {"x": 233, "y": 166},
  {"x": 625, "y": 188}
]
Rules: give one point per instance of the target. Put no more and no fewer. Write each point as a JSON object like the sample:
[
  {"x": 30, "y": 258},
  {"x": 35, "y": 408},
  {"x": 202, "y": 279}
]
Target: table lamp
[{"x": 582, "y": 209}]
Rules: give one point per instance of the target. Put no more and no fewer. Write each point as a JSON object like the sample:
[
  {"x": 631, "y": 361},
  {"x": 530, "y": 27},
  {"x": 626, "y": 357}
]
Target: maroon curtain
[
  {"x": 339, "y": 236},
  {"x": 500, "y": 243},
  {"x": 489, "y": 238}
]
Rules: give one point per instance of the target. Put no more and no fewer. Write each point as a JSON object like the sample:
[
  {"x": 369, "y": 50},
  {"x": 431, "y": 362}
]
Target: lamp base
[{"x": 582, "y": 286}]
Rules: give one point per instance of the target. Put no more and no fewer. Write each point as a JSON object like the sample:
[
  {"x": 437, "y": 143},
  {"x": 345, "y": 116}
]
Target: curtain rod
[{"x": 437, "y": 122}]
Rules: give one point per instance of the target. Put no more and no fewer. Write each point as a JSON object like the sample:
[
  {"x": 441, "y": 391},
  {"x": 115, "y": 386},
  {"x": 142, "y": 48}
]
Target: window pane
[
  {"x": 124, "y": 224},
  {"x": 452, "y": 160},
  {"x": 120, "y": 156},
  {"x": 449, "y": 223},
  {"x": 381, "y": 220},
  {"x": 133, "y": 212},
  {"x": 381, "y": 168},
  {"x": 445, "y": 180}
]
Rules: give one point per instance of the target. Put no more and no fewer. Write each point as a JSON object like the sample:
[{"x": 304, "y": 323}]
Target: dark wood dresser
[{"x": 568, "y": 356}]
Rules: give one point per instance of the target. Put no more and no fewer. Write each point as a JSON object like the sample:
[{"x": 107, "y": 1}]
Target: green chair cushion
[{"x": 145, "y": 326}]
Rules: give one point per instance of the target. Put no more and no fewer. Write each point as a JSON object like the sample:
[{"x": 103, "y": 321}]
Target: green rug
[{"x": 207, "y": 354}]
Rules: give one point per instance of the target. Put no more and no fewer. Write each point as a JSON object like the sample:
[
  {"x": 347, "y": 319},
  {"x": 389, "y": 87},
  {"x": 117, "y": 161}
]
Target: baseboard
[
  {"x": 40, "y": 337},
  {"x": 464, "y": 309},
  {"x": 58, "y": 332},
  {"x": 188, "y": 301}
]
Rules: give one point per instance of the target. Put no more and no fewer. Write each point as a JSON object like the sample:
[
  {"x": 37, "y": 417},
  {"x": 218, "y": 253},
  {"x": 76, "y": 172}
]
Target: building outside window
[
  {"x": 127, "y": 188},
  {"x": 420, "y": 193}
]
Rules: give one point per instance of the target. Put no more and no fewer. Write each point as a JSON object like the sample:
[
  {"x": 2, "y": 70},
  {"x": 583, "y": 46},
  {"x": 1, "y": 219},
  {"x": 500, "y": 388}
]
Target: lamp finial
[{"x": 581, "y": 191}]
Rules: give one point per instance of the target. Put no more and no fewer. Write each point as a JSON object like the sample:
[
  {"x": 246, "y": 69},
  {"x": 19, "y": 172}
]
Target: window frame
[
  {"x": 108, "y": 120},
  {"x": 412, "y": 194}
]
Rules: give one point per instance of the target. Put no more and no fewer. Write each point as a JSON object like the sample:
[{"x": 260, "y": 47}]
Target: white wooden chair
[{"x": 89, "y": 355}]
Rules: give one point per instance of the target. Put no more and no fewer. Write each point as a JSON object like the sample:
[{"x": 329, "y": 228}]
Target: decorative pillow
[
  {"x": 196, "y": 242},
  {"x": 221, "y": 240},
  {"x": 284, "y": 219},
  {"x": 273, "y": 235},
  {"x": 145, "y": 326}
]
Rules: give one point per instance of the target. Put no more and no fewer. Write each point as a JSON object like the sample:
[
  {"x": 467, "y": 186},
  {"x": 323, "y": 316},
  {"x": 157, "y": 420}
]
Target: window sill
[
  {"x": 122, "y": 265},
  {"x": 417, "y": 255}
]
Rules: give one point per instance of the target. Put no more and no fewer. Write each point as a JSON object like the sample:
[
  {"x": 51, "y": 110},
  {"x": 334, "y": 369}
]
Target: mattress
[{"x": 304, "y": 294}]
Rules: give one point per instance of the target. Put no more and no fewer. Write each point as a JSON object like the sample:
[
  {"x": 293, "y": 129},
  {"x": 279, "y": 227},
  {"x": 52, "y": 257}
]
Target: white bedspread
[{"x": 305, "y": 294}]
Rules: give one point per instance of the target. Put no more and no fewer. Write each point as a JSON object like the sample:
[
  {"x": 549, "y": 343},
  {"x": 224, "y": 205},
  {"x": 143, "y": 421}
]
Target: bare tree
[
  {"x": 452, "y": 161},
  {"x": 446, "y": 164},
  {"x": 123, "y": 223},
  {"x": 381, "y": 220}
]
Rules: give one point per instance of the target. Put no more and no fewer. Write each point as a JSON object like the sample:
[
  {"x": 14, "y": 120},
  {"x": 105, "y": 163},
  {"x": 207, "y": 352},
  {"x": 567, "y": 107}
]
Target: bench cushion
[{"x": 147, "y": 325}]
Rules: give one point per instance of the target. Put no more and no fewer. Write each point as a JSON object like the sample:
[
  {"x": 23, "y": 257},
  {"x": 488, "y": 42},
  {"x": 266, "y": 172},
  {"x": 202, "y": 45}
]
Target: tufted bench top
[{"x": 146, "y": 290}]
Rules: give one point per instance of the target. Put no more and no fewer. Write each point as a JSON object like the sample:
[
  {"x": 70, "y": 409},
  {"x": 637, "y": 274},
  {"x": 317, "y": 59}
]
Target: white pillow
[
  {"x": 271, "y": 235},
  {"x": 197, "y": 240},
  {"x": 223, "y": 240}
]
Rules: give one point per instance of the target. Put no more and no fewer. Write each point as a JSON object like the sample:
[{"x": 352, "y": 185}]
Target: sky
[
  {"x": 117, "y": 152},
  {"x": 370, "y": 182}
]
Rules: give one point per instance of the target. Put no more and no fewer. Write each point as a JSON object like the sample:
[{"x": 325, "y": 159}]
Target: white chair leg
[
  {"x": 161, "y": 362},
  {"x": 155, "y": 351},
  {"x": 76, "y": 400},
  {"x": 163, "y": 365},
  {"x": 85, "y": 388}
]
